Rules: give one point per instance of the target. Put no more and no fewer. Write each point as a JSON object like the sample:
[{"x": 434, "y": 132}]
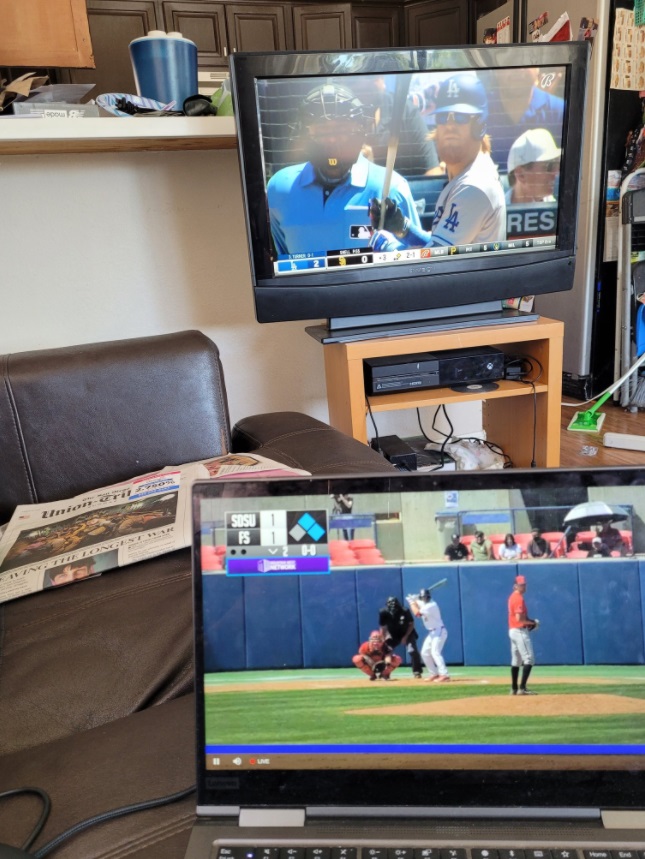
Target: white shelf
[{"x": 26, "y": 136}]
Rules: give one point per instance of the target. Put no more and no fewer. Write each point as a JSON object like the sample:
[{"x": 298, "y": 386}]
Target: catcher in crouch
[
  {"x": 520, "y": 625},
  {"x": 376, "y": 658}
]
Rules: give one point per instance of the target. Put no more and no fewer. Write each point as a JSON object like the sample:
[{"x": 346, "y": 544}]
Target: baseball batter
[
  {"x": 520, "y": 625},
  {"x": 471, "y": 208},
  {"x": 323, "y": 203},
  {"x": 375, "y": 657},
  {"x": 428, "y": 610}
]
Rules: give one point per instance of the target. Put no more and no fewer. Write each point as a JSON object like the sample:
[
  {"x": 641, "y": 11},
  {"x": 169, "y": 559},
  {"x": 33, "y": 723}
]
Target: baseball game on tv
[
  {"x": 443, "y": 169},
  {"x": 393, "y": 628}
]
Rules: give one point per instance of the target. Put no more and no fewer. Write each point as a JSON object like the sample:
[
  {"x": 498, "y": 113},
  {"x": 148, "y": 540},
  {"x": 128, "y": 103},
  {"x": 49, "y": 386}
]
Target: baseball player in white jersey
[
  {"x": 471, "y": 208},
  {"x": 428, "y": 610}
]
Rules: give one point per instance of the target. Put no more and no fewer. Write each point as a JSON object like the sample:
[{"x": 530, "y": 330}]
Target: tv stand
[{"x": 507, "y": 412}]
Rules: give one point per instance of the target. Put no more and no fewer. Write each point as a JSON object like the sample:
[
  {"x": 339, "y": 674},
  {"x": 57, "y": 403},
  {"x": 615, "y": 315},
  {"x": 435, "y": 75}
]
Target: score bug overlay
[{"x": 277, "y": 542}]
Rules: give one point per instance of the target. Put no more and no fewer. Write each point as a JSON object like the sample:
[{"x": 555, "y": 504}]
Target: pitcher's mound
[{"x": 515, "y": 705}]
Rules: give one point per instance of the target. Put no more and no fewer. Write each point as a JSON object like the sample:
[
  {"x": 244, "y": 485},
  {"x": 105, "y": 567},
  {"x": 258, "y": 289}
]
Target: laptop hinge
[
  {"x": 623, "y": 819},
  {"x": 272, "y": 817}
]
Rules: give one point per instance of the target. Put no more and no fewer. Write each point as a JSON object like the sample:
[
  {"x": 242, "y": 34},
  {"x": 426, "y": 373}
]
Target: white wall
[{"x": 104, "y": 246}]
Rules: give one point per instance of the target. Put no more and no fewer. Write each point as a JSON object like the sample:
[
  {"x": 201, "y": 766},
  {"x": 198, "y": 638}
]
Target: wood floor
[{"x": 586, "y": 450}]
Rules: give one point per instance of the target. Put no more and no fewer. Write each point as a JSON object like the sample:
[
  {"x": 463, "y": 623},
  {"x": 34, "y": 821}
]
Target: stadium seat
[
  {"x": 362, "y": 543},
  {"x": 523, "y": 540},
  {"x": 211, "y": 560},
  {"x": 576, "y": 553},
  {"x": 585, "y": 537}
]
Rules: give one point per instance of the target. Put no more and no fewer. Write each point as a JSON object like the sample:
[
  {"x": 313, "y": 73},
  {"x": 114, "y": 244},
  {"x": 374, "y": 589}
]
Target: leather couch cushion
[
  {"x": 75, "y": 657},
  {"x": 136, "y": 758}
]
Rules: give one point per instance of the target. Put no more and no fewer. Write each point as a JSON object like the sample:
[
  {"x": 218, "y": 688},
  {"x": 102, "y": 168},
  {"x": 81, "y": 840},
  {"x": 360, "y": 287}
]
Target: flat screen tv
[{"x": 401, "y": 190}]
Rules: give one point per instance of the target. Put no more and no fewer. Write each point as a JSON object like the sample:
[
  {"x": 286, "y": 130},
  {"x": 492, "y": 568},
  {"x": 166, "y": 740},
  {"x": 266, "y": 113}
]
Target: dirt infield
[
  {"x": 495, "y": 705},
  {"x": 401, "y": 680}
]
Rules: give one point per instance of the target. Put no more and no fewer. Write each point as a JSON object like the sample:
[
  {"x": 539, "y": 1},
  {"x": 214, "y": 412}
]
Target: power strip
[{"x": 624, "y": 440}]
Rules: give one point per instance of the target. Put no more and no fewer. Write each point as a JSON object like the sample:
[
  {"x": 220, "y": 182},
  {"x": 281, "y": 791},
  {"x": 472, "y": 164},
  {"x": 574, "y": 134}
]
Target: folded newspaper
[{"x": 48, "y": 545}]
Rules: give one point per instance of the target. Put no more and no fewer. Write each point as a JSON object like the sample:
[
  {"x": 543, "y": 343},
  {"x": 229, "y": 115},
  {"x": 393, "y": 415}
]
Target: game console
[{"x": 451, "y": 367}]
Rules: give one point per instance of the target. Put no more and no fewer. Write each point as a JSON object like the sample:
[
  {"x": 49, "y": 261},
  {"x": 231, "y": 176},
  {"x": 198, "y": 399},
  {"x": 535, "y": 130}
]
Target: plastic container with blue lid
[{"x": 165, "y": 67}]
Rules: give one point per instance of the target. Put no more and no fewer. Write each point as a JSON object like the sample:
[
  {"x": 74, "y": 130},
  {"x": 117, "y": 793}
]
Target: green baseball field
[{"x": 574, "y": 705}]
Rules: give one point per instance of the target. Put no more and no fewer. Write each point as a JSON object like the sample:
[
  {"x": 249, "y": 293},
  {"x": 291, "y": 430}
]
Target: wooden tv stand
[{"x": 507, "y": 411}]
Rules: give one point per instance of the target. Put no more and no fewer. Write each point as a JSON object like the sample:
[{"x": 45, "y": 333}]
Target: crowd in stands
[{"x": 605, "y": 541}]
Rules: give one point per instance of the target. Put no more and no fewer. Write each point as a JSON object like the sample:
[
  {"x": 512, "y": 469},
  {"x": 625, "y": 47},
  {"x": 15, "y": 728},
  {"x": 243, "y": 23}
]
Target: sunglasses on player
[{"x": 453, "y": 116}]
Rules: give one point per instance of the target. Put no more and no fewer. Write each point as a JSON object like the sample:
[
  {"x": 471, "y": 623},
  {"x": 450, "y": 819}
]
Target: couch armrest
[{"x": 301, "y": 441}]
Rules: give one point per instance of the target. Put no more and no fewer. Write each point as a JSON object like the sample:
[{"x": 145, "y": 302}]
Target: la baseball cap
[
  {"x": 462, "y": 93},
  {"x": 536, "y": 144}
]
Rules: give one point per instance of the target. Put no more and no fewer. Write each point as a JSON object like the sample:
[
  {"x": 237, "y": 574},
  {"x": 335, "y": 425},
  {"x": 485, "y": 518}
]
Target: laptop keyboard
[{"x": 367, "y": 852}]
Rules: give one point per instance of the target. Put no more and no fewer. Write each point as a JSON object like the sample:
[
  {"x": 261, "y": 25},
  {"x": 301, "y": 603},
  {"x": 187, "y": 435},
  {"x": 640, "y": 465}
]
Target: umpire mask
[{"x": 333, "y": 147}]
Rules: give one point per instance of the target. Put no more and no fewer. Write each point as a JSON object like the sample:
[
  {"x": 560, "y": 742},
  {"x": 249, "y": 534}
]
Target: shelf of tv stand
[
  {"x": 439, "y": 396},
  {"x": 508, "y": 411}
]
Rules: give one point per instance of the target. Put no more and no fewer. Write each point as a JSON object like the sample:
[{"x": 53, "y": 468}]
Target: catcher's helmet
[
  {"x": 376, "y": 634},
  {"x": 424, "y": 593},
  {"x": 330, "y": 101},
  {"x": 464, "y": 93}
]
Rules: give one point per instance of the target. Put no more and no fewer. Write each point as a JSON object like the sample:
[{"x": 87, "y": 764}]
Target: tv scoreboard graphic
[
  {"x": 362, "y": 257},
  {"x": 277, "y": 542}
]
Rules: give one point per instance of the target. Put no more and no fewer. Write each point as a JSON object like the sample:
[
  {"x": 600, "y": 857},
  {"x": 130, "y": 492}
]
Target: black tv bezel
[
  {"x": 400, "y": 288},
  {"x": 613, "y": 782}
]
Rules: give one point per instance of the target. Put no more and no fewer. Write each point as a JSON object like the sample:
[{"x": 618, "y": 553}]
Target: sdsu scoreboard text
[{"x": 277, "y": 542}]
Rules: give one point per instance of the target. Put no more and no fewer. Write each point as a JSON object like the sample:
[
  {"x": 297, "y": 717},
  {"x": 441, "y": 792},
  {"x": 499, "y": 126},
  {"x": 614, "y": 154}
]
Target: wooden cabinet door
[
  {"x": 437, "y": 22},
  {"x": 113, "y": 25},
  {"x": 45, "y": 33},
  {"x": 259, "y": 27},
  {"x": 204, "y": 24},
  {"x": 376, "y": 27},
  {"x": 322, "y": 28}
]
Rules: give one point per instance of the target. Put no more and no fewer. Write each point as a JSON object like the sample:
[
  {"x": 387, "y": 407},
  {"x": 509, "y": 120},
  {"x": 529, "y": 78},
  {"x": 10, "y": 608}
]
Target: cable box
[{"x": 433, "y": 370}]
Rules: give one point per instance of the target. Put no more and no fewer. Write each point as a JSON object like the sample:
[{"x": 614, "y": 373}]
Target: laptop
[{"x": 305, "y": 749}]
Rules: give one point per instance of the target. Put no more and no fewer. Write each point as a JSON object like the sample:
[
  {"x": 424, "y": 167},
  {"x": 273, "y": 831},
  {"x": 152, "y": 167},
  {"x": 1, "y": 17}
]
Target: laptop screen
[{"x": 485, "y": 625}]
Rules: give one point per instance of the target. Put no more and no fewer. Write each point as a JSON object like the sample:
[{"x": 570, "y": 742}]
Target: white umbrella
[{"x": 594, "y": 513}]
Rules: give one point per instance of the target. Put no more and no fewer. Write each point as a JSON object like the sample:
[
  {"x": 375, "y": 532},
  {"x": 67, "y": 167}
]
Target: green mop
[{"x": 590, "y": 420}]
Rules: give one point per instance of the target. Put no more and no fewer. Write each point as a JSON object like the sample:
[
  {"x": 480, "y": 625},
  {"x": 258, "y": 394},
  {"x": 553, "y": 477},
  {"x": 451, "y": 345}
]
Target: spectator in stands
[
  {"x": 533, "y": 165},
  {"x": 481, "y": 548},
  {"x": 456, "y": 550},
  {"x": 611, "y": 537},
  {"x": 538, "y": 547},
  {"x": 598, "y": 549},
  {"x": 510, "y": 550}
]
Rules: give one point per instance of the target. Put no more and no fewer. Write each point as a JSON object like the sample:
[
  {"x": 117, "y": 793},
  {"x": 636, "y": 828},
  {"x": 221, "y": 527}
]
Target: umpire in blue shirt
[{"x": 323, "y": 204}]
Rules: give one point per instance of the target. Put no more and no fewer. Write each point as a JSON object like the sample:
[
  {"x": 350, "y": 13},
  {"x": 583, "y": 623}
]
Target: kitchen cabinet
[
  {"x": 259, "y": 26},
  {"x": 218, "y": 28},
  {"x": 319, "y": 27},
  {"x": 376, "y": 26},
  {"x": 113, "y": 25},
  {"x": 437, "y": 22},
  {"x": 45, "y": 33},
  {"x": 202, "y": 22}
]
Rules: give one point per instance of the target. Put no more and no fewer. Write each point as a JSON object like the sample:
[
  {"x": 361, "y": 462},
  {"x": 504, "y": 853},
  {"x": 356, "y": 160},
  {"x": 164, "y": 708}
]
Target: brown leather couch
[{"x": 96, "y": 703}]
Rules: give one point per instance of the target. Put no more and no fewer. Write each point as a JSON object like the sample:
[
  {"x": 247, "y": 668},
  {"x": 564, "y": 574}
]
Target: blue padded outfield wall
[{"x": 590, "y": 613}]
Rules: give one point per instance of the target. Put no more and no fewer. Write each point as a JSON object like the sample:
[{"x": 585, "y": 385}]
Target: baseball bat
[
  {"x": 438, "y": 584},
  {"x": 398, "y": 107}
]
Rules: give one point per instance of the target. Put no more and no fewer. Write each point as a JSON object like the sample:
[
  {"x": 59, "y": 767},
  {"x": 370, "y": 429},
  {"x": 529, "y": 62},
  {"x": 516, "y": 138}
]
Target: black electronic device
[
  {"x": 312, "y": 248},
  {"x": 429, "y": 370}
]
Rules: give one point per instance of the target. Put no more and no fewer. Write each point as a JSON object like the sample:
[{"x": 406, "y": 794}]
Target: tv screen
[{"x": 392, "y": 186}]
